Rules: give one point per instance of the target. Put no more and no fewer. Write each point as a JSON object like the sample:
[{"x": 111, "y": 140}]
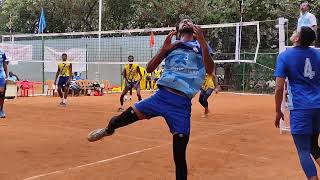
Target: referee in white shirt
[{"x": 306, "y": 18}]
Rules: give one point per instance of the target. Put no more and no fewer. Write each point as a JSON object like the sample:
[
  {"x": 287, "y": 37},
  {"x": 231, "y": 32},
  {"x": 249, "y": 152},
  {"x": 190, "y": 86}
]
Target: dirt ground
[{"x": 40, "y": 140}]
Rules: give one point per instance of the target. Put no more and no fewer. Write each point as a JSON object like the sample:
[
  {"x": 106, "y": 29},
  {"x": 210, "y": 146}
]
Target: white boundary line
[
  {"x": 246, "y": 94},
  {"x": 141, "y": 151},
  {"x": 94, "y": 163},
  {"x": 235, "y": 153}
]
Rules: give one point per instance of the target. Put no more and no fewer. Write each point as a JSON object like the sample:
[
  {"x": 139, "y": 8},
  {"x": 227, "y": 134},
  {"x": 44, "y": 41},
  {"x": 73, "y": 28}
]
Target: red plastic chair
[{"x": 25, "y": 86}]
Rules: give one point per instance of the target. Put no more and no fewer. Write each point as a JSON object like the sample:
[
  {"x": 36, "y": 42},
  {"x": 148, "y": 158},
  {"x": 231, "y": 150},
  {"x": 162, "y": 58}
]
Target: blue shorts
[
  {"x": 305, "y": 121},
  {"x": 176, "y": 110},
  {"x": 2, "y": 82},
  {"x": 63, "y": 80}
]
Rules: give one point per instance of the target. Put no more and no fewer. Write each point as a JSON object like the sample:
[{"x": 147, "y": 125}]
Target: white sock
[{"x": 64, "y": 100}]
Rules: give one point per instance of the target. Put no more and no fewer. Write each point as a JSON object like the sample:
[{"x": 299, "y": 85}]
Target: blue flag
[{"x": 42, "y": 22}]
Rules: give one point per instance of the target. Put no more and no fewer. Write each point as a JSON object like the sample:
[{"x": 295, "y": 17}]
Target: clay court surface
[{"x": 40, "y": 140}]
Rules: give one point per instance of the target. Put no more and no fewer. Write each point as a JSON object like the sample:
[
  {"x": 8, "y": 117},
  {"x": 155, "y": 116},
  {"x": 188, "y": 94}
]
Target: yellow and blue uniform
[
  {"x": 206, "y": 90},
  {"x": 64, "y": 73},
  {"x": 157, "y": 74},
  {"x": 148, "y": 76},
  {"x": 208, "y": 82},
  {"x": 301, "y": 65},
  {"x": 184, "y": 73},
  {"x": 132, "y": 74}
]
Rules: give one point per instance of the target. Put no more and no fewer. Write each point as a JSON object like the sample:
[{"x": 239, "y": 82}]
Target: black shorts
[
  {"x": 132, "y": 85},
  {"x": 148, "y": 78},
  {"x": 63, "y": 80}
]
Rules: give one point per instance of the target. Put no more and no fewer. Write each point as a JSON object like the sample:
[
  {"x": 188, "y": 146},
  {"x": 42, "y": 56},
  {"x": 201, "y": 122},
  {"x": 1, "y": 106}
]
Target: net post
[
  {"x": 86, "y": 58},
  {"x": 282, "y": 35},
  {"x": 258, "y": 43},
  {"x": 237, "y": 53}
]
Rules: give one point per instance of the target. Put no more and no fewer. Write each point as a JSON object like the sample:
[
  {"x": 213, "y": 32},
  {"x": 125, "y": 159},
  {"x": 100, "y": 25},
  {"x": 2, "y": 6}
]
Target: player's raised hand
[
  {"x": 279, "y": 116},
  {"x": 167, "y": 45},
  {"x": 198, "y": 34}
]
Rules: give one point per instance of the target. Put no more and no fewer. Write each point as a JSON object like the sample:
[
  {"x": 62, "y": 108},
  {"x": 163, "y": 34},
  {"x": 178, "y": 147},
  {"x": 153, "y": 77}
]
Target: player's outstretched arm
[
  {"x": 215, "y": 82},
  {"x": 158, "y": 58},
  {"x": 71, "y": 74},
  {"x": 140, "y": 74},
  {"x": 57, "y": 74},
  {"x": 278, "y": 99},
  {"x": 207, "y": 59},
  {"x": 124, "y": 74},
  {"x": 5, "y": 67}
]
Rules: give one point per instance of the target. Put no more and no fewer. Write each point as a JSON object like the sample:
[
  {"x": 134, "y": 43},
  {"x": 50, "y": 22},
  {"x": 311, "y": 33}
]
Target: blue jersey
[
  {"x": 302, "y": 68},
  {"x": 184, "y": 69},
  {"x": 2, "y": 59}
]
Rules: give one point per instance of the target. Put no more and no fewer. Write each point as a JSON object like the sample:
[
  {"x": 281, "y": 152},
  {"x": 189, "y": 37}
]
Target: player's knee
[
  {"x": 125, "y": 118},
  {"x": 122, "y": 95},
  {"x": 180, "y": 142},
  {"x": 315, "y": 151},
  {"x": 200, "y": 98},
  {"x": 2, "y": 95}
]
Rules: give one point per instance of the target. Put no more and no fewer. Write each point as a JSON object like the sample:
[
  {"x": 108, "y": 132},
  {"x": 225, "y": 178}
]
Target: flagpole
[
  {"x": 100, "y": 27},
  {"x": 42, "y": 40}
]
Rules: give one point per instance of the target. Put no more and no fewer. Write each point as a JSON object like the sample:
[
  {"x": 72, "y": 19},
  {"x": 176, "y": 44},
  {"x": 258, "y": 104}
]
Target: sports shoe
[
  {"x": 2, "y": 114},
  {"x": 63, "y": 104},
  {"x": 98, "y": 134},
  {"x": 120, "y": 109}
]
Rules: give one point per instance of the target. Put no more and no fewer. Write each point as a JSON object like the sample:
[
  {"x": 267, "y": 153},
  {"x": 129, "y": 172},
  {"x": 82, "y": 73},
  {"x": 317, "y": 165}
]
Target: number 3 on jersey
[{"x": 308, "y": 73}]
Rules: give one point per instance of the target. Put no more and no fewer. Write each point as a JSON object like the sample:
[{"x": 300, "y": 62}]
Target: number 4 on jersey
[{"x": 308, "y": 69}]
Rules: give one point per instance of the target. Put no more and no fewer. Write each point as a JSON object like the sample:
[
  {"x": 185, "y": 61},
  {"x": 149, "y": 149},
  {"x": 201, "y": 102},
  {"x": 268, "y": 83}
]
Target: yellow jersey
[
  {"x": 64, "y": 69},
  {"x": 148, "y": 74},
  {"x": 157, "y": 73},
  {"x": 132, "y": 72},
  {"x": 208, "y": 82}
]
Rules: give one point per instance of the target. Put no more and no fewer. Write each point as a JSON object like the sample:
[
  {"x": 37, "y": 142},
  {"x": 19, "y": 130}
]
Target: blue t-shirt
[
  {"x": 184, "y": 69},
  {"x": 301, "y": 66},
  {"x": 2, "y": 59},
  {"x": 76, "y": 78},
  {"x": 12, "y": 78}
]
